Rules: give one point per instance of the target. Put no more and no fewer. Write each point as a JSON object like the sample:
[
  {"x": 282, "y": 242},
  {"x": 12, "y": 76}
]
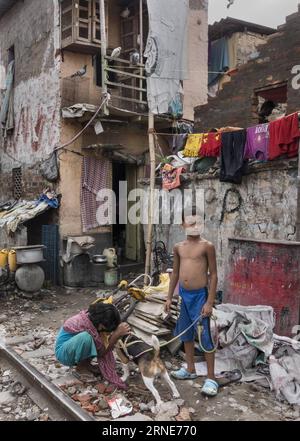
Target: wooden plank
[
  {"x": 127, "y": 74},
  {"x": 123, "y": 61},
  {"x": 142, "y": 335},
  {"x": 124, "y": 86},
  {"x": 156, "y": 322},
  {"x": 132, "y": 100},
  {"x": 151, "y": 308},
  {"x": 154, "y": 318},
  {"x": 141, "y": 324},
  {"x": 149, "y": 320},
  {"x": 146, "y": 327}
]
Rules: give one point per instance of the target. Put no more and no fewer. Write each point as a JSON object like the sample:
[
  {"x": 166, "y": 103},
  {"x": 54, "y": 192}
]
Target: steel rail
[{"x": 57, "y": 400}]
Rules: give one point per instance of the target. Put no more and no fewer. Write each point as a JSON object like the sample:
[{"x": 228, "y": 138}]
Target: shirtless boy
[{"x": 193, "y": 258}]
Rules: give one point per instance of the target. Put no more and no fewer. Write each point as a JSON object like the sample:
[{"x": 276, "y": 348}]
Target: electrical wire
[{"x": 104, "y": 101}]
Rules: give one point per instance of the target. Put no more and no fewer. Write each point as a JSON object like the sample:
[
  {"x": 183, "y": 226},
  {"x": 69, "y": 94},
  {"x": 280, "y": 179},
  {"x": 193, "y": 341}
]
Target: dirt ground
[{"x": 236, "y": 402}]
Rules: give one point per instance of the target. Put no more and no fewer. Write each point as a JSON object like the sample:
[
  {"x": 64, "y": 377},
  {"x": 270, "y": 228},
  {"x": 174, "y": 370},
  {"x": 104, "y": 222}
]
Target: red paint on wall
[
  {"x": 23, "y": 126},
  {"x": 39, "y": 127},
  {"x": 264, "y": 273}
]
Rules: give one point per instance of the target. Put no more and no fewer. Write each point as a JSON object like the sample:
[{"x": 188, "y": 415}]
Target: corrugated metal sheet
[{"x": 5, "y": 5}]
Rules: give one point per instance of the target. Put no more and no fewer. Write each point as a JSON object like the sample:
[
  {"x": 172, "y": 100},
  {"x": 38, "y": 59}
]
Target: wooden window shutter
[{"x": 83, "y": 20}]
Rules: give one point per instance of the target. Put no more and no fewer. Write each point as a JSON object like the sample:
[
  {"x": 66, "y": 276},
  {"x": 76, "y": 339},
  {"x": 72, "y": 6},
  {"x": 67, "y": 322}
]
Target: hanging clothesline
[{"x": 241, "y": 128}]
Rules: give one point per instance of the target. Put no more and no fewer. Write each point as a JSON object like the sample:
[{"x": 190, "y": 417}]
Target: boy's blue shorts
[{"x": 192, "y": 302}]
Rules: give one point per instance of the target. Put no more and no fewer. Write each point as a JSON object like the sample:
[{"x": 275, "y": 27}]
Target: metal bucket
[
  {"x": 30, "y": 254},
  {"x": 111, "y": 277},
  {"x": 99, "y": 259}
]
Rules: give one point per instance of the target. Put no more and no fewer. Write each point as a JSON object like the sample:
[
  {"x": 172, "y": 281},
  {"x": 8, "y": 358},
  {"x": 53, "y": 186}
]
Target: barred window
[{"x": 17, "y": 183}]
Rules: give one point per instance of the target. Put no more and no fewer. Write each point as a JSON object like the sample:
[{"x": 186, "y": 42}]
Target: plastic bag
[
  {"x": 49, "y": 168},
  {"x": 119, "y": 406}
]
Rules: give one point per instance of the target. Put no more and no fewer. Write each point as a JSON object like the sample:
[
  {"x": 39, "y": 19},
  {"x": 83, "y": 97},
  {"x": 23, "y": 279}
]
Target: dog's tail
[{"x": 156, "y": 346}]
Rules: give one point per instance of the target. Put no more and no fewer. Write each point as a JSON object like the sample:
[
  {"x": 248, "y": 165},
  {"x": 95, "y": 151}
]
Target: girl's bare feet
[{"x": 86, "y": 368}]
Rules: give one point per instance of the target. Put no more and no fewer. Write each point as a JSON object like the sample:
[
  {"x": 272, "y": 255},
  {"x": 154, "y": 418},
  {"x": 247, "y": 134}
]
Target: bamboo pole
[{"x": 151, "y": 198}]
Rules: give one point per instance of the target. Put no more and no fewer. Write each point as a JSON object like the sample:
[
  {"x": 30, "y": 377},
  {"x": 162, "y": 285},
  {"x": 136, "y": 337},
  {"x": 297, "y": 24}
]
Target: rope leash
[
  {"x": 200, "y": 329},
  {"x": 124, "y": 345}
]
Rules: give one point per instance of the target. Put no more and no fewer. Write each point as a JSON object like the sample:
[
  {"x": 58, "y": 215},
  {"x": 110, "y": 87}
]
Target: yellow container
[
  {"x": 12, "y": 261},
  {"x": 3, "y": 258}
]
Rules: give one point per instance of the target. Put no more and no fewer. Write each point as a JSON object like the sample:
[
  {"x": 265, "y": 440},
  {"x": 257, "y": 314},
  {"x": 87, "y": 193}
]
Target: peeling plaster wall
[
  {"x": 248, "y": 43},
  {"x": 268, "y": 211},
  {"x": 32, "y": 27}
]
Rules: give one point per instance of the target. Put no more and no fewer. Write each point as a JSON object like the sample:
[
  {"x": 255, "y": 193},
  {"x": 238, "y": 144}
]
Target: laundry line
[{"x": 228, "y": 131}]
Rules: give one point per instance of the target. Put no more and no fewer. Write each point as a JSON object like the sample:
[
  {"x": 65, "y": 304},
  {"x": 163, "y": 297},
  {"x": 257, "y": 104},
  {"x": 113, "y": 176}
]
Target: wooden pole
[
  {"x": 151, "y": 198},
  {"x": 103, "y": 48}
]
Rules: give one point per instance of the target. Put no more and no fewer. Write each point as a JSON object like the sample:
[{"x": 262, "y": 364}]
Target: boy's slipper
[
  {"x": 229, "y": 377},
  {"x": 210, "y": 388},
  {"x": 183, "y": 374}
]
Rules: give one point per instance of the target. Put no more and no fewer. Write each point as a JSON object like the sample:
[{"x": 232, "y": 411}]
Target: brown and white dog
[{"x": 149, "y": 363}]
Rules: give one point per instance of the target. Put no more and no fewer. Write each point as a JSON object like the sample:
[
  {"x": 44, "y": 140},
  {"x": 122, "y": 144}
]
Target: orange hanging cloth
[{"x": 171, "y": 177}]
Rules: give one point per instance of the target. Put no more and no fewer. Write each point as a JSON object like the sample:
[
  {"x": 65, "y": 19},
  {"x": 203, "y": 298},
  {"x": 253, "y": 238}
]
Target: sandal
[
  {"x": 229, "y": 377},
  {"x": 210, "y": 388},
  {"x": 183, "y": 374}
]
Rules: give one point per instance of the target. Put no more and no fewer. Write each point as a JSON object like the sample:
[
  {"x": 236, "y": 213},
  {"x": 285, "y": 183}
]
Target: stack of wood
[{"x": 149, "y": 318}]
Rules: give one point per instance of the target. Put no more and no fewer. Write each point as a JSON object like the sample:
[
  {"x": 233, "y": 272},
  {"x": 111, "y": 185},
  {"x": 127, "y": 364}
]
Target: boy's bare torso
[{"x": 193, "y": 263}]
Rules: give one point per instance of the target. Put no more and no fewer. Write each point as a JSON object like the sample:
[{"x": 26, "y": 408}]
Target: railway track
[{"x": 45, "y": 394}]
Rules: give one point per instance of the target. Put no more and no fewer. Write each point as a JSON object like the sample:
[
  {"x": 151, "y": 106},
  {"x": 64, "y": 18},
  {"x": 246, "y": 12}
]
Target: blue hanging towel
[{"x": 219, "y": 59}]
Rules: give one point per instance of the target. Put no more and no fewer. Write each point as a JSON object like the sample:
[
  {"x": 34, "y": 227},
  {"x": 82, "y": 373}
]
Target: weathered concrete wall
[
  {"x": 195, "y": 86},
  {"x": 234, "y": 105},
  {"x": 244, "y": 45},
  {"x": 268, "y": 210},
  {"x": 78, "y": 90},
  {"x": 132, "y": 137},
  {"x": 247, "y": 44},
  {"x": 33, "y": 28},
  {"x": 70, "y": 184}
]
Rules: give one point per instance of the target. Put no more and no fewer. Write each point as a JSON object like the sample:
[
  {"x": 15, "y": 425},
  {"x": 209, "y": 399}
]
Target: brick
[
  {"x": 82, "y": 398},
  {"x": 226, "y": 108},
  {"x": 101, "y": 388}
]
